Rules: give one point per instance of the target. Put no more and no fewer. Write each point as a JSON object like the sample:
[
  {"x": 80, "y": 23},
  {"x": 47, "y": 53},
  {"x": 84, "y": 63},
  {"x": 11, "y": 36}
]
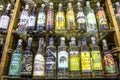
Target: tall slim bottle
[
  {"x": 50, "y": 17},
  {"x": 63, "y": 72},
  {"x": 74, "y": 60},
  {"x": 27, "y": 61},
  {"x": 41, "y": 21},
  {"x": 118, "y": 13},
  {"x": 70, "y": 18},
  {"x": 39, "y": 61},
  {"x": 51, "y": 60},
  {"x": 15, "y": 65}
]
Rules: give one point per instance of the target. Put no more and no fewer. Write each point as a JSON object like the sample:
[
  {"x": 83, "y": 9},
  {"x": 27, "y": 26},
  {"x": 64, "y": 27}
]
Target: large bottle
[
  {"x": 27, "y": 61},
  {"x": 96, "y": 59},
  {"x": 85, "y": 57},
  {"x": 81, "y": 19},
  {"x": 15, "y": 65},
  {"x": 5, "y": 19},
  {"x": 63, "y": 62},
  {"x": 70, "y": 18},
  {"x": 118, "y": 13},
  {"x": 60, "y": 19},
  {"x": 51, "y": 60},
  {"x": 109, "y": 63},
  {"x": 74, "y": 60},
  {"x": 39, "y": 61},
  {"x": 50, "y": 17},
  {"x": 41, "y": 18}
]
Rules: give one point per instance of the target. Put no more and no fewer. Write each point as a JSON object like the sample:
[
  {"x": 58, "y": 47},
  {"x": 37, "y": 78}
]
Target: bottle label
[
  {"x": 50, "y": 59},
  {"x": 74, "y": 61},
  {"x": 50, "y": 17},
  {"x": 4, "y": 21},
  {"x": 80, "y": 17},
  {"x": 39, "y": 66},
  {"x": 96, "y": 60},
  {"x": 62, "y": 59},
  {"x": 41, "y": 19},
  {"x": 110, "y": 66},
  {"x": 31, "y": 21},
  {"x": 15, "y": 66},
  {"x": 85, "y": 61}
]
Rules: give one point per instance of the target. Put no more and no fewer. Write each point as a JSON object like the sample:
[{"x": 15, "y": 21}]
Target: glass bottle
[
  {"x": 5, "y": 19},
  {"x": 51, "y": 60},
  {"x": 96, "y": 59},
  {"x": 15, "y": 65},
  {"x": 60, "y": 19},
  {"x": 50, "y": 17},
  {"x": 85, "y": 59},
  {"x": 41, "y": 18},
  {"x": 109, "y": 62},
  {"x": 70, "y": 18},
  {"x": 101, "y": 18},
  {"x": 74, "y": 60},
  {"x": 118, "y": 13},
  {"x": 81, "y": 19},
  {"x": 27, "y": 61},
  {"x": 63, "y": 72},
  {"x": 39, "y": 61}
]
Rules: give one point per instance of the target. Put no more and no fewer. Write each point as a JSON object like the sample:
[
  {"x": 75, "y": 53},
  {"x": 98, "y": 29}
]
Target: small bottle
[
  {"x": 39, "y": 61},
  {"x": 80, "y": 17},
  {"x": 5, "y": 19},
  {"x": 74, "y": 60},
  {"x": 51, "y": 60},
  {"x": 109, "y": 62},
  {"x": 41, "y": 18},
  {"x": 27, "y": 61},
  {"x": 118, "y": 13},
  {"x": 16, "y": 61},
  {"x": 50, "y": 18},
  {"x": 70, "y": 18},
  {"x": 63, "y": 72}
]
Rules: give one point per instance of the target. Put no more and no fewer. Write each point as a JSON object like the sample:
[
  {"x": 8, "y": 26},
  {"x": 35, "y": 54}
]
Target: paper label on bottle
[
  {"x": 85, "y": 61},
  {"x": 74, "y": 61},
  {"x": 50, "y": 17},
  {"x": 31, "y": 21},
  {"x": 41, "y": 19},
  {"x": 50, "y": 59},
  {"x": 96, "y": 60},
  {"x": 15, "y": 66},
  {"x": 62, "y": 59},
  {"x": 91, "y": 18},
  {"x": 39, "y": 66},
  {"x": 80, "y": 17},
  {"x": 4, "y": 21}
]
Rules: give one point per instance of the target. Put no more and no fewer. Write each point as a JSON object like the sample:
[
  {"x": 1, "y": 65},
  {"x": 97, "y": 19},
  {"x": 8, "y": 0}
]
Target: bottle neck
[
  {"x": 93, "y": 42},
  {"x": 60, "y": 8},
  {"x": 19, "y": 47},
  {"x": 105, "y": 47},
  {"x": 51, "y": 43},
  {"x": 41, "y": 46},
  {"x": 62, "y": 42},
  {"x": 29, "y": 45},
  {"x": 73, "y": 43}
]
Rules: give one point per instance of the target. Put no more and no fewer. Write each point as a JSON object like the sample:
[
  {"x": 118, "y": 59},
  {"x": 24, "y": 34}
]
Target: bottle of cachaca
[
  {"x": 39, "y": 61},
  {"x": 60, "y": 19},
  {"x": 70, "y": 18},
  {"x": 96, "y": 59},
  {"x": 118, "y": 13},
  {"x": 74, "y": 60},
  {"x": 80, "y": 17},
  {"x": 63, "y": 72},
  {"x": 50, "y": 18},
  {"x": 27, "y": 61},
  {"x": 85, "y": 57},
  {"x": 41, "y": 18},
  {"x": 15, "y": 65},
  {"x": 51, "y": 60}
]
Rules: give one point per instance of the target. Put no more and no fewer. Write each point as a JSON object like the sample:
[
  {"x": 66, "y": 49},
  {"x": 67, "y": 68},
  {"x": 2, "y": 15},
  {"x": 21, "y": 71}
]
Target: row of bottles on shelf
[{"x": 62, "y": 62}]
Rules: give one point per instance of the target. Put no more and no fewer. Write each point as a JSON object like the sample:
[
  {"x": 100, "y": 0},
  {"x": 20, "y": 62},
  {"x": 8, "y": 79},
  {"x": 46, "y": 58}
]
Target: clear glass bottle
[
  {"x": 63, "y": 72},
  {"x": 50, "y": 17},
  {"x": 118, "y": 13},
  {"x": 16, "y": 60},
  {"x": 70, "y": 18},
  {"x": 51, "y": 60},
  {"x": 5, "y": 19},
  {"x": 109, "y": 62},
  {"x": 74, "y": 60},
  {"x": 27, "y": 61},
  {"x": 81, "y": 19},
  {"x": 96, "y": 59},
  {"x": 41, "y": 21},
  {"x": 39, "y": 61}
]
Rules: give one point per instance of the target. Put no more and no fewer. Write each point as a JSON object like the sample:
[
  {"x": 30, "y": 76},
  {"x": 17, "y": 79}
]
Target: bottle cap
[
  {"x": 98, "y": 4},
  {"x": 26, "y": 6},
  {"x": 79, "y": 4},
  {"x": 8, "y": 6},
  {"x": 69, "y": 4},
  {"x": 87, "y": 3},
  {"x": 117, "y": 4},
  {"x": 60, "y": 5},
  {"x": 62, "y": 38},
  {"x": 104, "y": 41},
  {"x": 30, "y": 39},
  {"x": 51, "y": 4},
  {"x": 73, "y": 39},
  {"x": 43, "y": 5},
  {"x": 93, "y": 38},
  {"x": 20, "y": 41}
]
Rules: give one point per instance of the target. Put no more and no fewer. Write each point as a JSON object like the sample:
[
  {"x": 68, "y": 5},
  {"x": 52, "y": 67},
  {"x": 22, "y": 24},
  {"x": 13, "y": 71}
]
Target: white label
[
  {"x": 31, "y": 21},
  {"x": 80, "y": 17},
  {"x": 91, "y": 18},
  {"x": 62, "y": 59},
  {"x": 41, "y": 19},
  {"x": 4, "y": 21}
]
